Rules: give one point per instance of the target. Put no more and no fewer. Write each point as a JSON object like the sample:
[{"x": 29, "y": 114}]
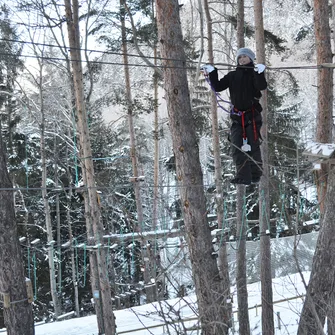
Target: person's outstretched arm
[
  {"x": 260, "y": 81},
  {"x": 218, "y": 85}
]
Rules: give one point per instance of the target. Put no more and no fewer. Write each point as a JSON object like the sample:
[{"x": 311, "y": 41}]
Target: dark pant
[{"x": 248, "y": 163}]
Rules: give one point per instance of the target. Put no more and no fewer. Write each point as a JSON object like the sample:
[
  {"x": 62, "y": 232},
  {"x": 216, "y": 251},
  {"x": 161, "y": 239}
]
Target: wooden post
[
  {"x": 30, "y": 293},
  {"x": 5, "y": 299}
]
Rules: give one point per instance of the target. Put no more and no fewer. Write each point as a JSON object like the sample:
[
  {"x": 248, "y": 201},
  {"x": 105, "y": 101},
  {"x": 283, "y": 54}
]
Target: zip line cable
[
  {"x": 229, "y": 66},
  {"x": 296, "y": 67},
  {"x": 67, "y": 48},
  {"x": 101, "y": 62}
]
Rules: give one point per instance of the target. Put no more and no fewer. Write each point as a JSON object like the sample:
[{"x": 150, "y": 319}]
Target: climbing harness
[
  {"x": 245, "y": 145},
  {"x": 234, "y": 111}
]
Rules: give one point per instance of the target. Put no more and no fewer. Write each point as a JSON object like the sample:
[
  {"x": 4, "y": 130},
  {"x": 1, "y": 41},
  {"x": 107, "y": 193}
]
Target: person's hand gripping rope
[
  {"x": 206, "y": 69},
  {"x": 259, "y": 68}
]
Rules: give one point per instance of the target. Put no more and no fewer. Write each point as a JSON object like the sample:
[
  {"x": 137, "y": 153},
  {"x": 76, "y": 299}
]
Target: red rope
[
  {"x": 254, "y": 124},
  {"x": 243, "y": 126}
]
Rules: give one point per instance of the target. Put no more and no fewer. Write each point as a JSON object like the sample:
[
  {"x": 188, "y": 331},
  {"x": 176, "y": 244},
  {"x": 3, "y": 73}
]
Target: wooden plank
[
  {"x": 150, "y": 235},
  {"x": 5, "y": 298},
  {"x": 30, "y": 293}
]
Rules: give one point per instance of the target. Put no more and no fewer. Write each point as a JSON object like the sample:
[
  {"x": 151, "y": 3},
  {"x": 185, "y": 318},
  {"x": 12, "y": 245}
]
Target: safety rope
[
  {"x": 28, "y": 256},
  {"x": 219, "y": 100},
  {"x": 35, "y": 275},
  {"x": 85, "y": 266},
  {"x": 26, "y": 162}
]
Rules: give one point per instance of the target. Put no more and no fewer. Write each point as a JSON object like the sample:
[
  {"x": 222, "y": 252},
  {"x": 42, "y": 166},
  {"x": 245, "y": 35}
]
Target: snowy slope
[{"x": 128, "y": 320}]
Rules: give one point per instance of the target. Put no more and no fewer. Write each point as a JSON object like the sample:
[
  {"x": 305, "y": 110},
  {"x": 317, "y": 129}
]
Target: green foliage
[
  {"x": 147, "y": 33},
  {"x": 143, "y": 7},
  {"x": 272, "y": 41},
  {"x": 304, "y": 32},
  {"x": 10, "y": 63},
  {"x": 285, "y": 124}
]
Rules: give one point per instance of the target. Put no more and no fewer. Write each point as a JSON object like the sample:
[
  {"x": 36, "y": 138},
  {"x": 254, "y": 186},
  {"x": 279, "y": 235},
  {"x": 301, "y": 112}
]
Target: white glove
[
  {"x": 259, "y": 68},
  {"x": 206, "y": 69}
]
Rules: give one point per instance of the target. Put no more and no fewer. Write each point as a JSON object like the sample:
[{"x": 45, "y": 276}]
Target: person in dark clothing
[{"x": 245, "y": 85}]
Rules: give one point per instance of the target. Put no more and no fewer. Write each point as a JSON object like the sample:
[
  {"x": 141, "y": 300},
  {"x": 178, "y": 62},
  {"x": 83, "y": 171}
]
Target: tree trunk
[
  {"x": 222, "y": 259},
  {"x": 155, "y": 254},
  {"x": 319, "y": 296},
  {"x": 48, "y": 223},
  {"x": 69, "y": 223},
  {"x": 18, "y": 315},
  {"x": 325, "y": 90},
  {"x": 156, "y": 153},
  {"x": 150, "y": 289},
  {"x": 241, "y": 264},
  {"x": 58, "y": 224},
  {"x": 73, "y": 263},
  {"x": 321, "y": 284},
  {"x": 331, "y": 315},
  {"x": 209, "y": 287},
  {"x": 156, "y": 136},
  {"x": 264, "y": 196},
  {"x": 241, "y": 270},
  {"x": 95, "y": 231},
  {"x": 240, "y": 24},
  {"x": 132, "y": 136}
]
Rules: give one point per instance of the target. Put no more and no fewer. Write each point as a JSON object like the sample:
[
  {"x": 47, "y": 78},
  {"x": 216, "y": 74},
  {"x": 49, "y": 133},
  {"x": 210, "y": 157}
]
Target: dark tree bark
[
  {"x": 320, "y": 292},
  {"x": 241, "y": 268},
  {"x": 95, "y": 230},
  {"x": 222, "y": 259},
  {"x": 322, "y": 281},
  {"x": 264, "y": 195},
  {"x": 325, "y": 90},
  {"x": 18, "y": 315},
  {"x": 241, "y": 263},
  {"x": 240, "y": 24},
  {"x": 209, "y": 287}
]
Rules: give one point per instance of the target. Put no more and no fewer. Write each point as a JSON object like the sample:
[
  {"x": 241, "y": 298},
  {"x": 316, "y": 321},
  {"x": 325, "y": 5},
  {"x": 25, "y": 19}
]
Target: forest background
[{"x": 137, "y": 186}]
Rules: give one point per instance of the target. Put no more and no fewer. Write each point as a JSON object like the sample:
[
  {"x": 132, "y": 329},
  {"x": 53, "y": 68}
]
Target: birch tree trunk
[
  {"x": 69, "y": 223},
  {"x": 95, "y": 229},
  {"x": 325, "y": 90},
  {"x": 48, "y": 223},
  {"x": 155, "y": 254},
  {"x": 58, "y": 222},
  {"x": 264, "y": 196},
  {"x": 156, "y": 136},
  {"x": 18, "y": 314},
  {"x": 222, "y": 259},
  {"x": 73, "y": 263},
  {"x": 209, "y": 287}
]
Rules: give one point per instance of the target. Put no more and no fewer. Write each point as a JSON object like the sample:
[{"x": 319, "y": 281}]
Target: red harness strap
[
  {"x": 243, "y": 126},
  {"x": 253, "y": 124}
]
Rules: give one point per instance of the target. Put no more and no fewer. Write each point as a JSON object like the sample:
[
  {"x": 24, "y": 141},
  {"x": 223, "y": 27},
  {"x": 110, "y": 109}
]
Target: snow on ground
[{"x": 128, "y": 320}]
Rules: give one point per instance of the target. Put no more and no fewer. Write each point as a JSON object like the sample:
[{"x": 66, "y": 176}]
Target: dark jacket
[{"x": 244, "y": 86}]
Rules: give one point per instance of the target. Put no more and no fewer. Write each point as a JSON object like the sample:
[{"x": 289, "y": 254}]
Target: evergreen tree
[{"x": 18, "y": 318}]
